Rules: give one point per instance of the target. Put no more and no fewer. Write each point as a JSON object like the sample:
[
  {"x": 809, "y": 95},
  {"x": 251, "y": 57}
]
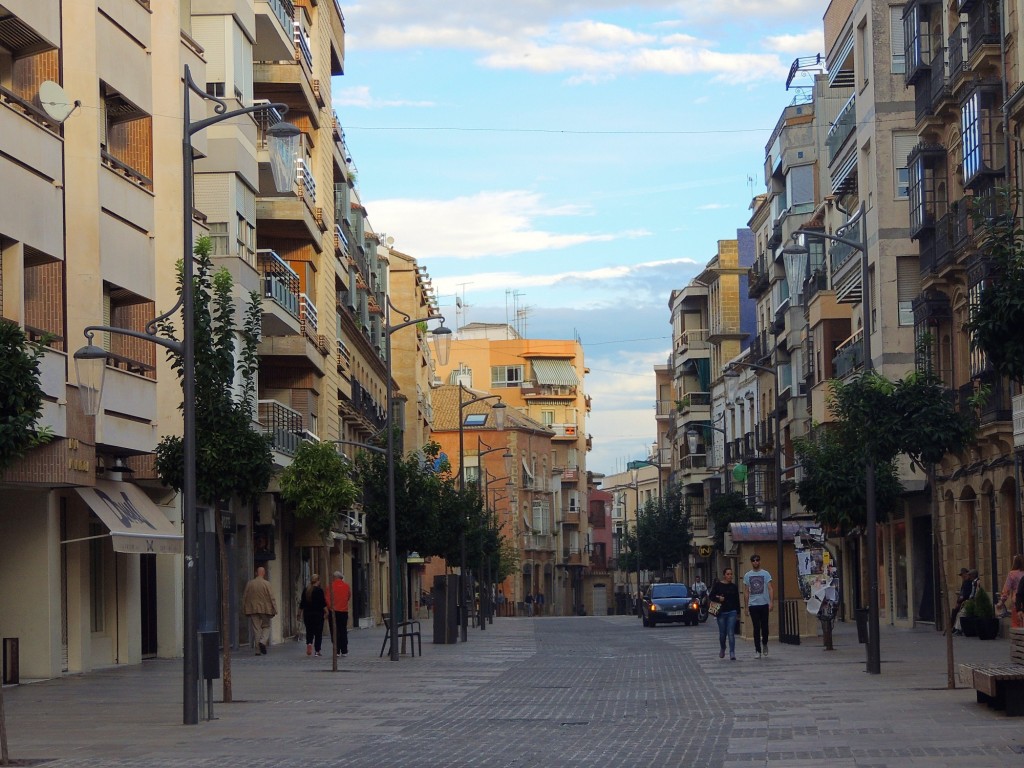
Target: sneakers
[
  {"x": 721, "y": 654},
  {"x": 757, "y": 655},
  {"x": 317, "y": 653},
  {"x": 344, "y": 653},
  {"x": 309, "y": 649},
  {"x": 764, "y": 651},
  {"x": 732, "y": 657},
  {"x": 263, "y": 649}
]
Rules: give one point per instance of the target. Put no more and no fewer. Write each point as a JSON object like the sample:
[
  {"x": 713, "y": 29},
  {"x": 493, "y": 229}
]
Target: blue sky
[{"x": 586, "y": 154}]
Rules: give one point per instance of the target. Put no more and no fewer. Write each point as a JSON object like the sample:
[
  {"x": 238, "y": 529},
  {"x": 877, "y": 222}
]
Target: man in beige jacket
[{"x": 259, "y": 605}]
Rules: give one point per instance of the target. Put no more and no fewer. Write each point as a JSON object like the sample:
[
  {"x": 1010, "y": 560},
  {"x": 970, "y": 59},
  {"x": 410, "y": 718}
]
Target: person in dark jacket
[
  {"x": 725, "y": 592},
  {"x": 313, "y": 608}
]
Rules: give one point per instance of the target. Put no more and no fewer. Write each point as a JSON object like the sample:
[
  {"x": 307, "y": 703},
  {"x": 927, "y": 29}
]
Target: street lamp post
[
  {"x": 284, "y": 137},
  {"x": 485, "y": 595},
  {"x": 779, "y": 494},
  {"x": 634, "y": 473},
  {"x": 499, "y": 424},
  {"x": 874, "y": 660},
  {"x": 443, "y": 345}
]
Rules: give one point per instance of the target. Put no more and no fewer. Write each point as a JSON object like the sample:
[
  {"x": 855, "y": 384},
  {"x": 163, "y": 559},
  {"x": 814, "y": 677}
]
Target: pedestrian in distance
[
  {"x": 538, "y": 603},
  {"x": 726, "y": 593},
  {"x": 337, "y": 603},
  {"x": 760, "y": 597},
  {"x": 313, "y": 610},
  {"x": 259, "y": 606},
  {"x": 1008, "y": 597},
  {"x": 529, "y": 604},
  {"x": 966, "y": 593}
]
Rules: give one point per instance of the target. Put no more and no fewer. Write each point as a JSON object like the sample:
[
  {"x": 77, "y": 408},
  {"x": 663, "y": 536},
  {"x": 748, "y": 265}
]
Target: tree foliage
[
  {"x": 664, "y": 534},
  {"x": 995, "y": 322},
  {"x": 877, "y": 420},
  {"x": 318, "y": 484},
  {"x": 231, "y": 458},
  {"x": 726, "y": 508},
  {"x": 21, "y": 395},
  {"x": 833, "y": 483}
]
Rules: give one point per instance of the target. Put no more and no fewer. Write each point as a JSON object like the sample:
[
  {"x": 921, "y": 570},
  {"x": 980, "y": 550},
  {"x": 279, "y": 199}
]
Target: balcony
[
  {"x": 538, "y": 542},
  {"x": 282, "y": 424},
  {"x": 849, "y": 356},
  {"x": 564, "y": 431},
  {"x": 697, "y": 405},
  {"x": 280, "y": 294},
  {"x": 844, "y": 126},
  {"x": 274, "y": 30}
]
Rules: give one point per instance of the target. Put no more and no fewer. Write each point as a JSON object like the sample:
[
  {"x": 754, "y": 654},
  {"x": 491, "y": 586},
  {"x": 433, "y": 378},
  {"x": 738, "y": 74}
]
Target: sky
[{"x": 563, "y": 165}]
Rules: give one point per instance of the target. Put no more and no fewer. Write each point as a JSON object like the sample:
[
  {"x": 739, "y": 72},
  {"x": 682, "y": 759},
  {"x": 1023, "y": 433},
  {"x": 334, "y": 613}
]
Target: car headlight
[{"x": 695, "y": 606}]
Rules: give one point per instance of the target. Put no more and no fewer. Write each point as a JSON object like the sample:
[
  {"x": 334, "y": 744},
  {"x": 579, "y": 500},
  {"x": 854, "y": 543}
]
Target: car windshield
[{"x": 669, "y": 590}]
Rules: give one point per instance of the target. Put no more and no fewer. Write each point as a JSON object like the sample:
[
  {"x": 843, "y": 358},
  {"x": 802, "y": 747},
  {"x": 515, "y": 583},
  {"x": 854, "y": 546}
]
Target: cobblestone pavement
[{"x": 568, "y": 692}]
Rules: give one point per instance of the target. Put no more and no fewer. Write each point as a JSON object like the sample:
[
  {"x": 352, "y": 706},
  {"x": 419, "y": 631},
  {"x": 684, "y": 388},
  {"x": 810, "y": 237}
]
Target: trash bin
[
  {"x": 861, "y": 615},
  {"x": 209, "y": 651}
]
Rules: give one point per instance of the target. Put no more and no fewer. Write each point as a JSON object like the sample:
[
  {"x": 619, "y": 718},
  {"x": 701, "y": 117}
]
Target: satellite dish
[
  {"x": 390, "y": 241},
  {"x": 55, "y": 101}
]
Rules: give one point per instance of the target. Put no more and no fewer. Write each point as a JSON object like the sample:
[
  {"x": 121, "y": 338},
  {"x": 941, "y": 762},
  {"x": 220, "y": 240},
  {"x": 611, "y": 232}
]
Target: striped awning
[{"x": 558, "y": 373}]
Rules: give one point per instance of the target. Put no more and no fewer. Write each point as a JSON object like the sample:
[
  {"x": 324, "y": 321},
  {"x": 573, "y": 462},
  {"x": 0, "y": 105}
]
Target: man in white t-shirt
[{"x": 760, "y": 599}]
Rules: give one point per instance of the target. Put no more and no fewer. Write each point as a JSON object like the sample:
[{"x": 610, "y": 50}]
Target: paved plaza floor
[{"x": 580, "y": 692}]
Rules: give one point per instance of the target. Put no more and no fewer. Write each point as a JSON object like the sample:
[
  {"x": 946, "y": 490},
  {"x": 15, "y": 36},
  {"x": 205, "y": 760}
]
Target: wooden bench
[
  {"x": 1001, "y": 686},
  {"x": 406, "y": 630}
]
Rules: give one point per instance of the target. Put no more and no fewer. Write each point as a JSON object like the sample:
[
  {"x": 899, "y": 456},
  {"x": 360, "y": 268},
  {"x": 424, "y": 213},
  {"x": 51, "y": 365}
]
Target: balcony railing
[
  {"x": 285, "y": 12},
  {"x": 282, "y": 424},
  {"x": 307, "y": 312},
  {"x": 849, "y": 355},
  {"x": 301, "y": 40},
  {"x": 565, "y": 430},
  {"x": 29, "y": 110},
  {"x": 280, "y": 281},
  {"x": 539, "y": 541},
  {"x": 841, "y": 129}
]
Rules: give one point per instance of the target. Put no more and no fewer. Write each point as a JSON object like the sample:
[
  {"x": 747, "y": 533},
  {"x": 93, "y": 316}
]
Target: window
[
  {"x": 864, "y": 44},
  {"x": 908, "y": 286},
  {"x": 980, "y": 121},
  {"x": 977, "y": 356},
  {"x": 547, "y": 418},
  {"x": 126, "y": 138},
  {"x": 245, "y": 234},
  {"x": 506, "y": 375},
  {"x": 475, "y": 420},
  {"x": 902, "y": 145},
  {"x": 216, "y": 90},
  {"x": 800, "y": 185},
  {"x": 898, "y": 37},
  {"x": 219, "y": 239}
]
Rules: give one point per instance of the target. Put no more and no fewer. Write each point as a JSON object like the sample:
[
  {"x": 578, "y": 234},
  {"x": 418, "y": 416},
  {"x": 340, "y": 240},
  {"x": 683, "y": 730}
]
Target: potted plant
[
  {"x": 988, "y": 624},
  {"x": 969, "y": 619}
]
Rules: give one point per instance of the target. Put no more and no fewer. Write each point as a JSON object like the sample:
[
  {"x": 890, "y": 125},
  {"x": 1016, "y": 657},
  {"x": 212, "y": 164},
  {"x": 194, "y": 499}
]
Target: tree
[
  {"x": 319, "y": 486},
  {"x": 833, "y": 486},
  {"x": 664, "y": 531},
  {"x": 995, "y": 321},
  {"x": 21, "y": 407},
  {"x": 231, "y": 459},
  {"x": 726, "y": 508}
]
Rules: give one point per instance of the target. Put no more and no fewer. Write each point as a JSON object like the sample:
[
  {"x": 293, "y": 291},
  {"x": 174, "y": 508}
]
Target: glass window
[{"x": 506, "y": 375}]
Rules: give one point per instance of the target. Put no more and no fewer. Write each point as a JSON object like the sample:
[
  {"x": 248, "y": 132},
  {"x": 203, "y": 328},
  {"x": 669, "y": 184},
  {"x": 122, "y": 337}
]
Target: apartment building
[
  {"x": 712, "y": 321},
  {"x": 626, "y": 493},
  {"x": 91, "y": 235},
  {"x": 543, "y": 379},
  {"x": 964, "y": 71}
]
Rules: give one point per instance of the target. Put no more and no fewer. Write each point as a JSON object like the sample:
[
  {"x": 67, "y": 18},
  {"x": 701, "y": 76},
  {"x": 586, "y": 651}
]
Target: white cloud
[
  {"x": 359, "y": 96},
  {"x": 583, "y": 50},
  {"x": 488, "y": 224},
  {"x": 489, "y": 281},
  {"x": 713, "y": 207},
  {"x": 803, "y": 44}
]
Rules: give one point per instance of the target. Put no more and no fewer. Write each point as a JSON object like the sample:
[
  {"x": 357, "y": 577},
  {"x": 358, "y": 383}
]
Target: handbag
[{"x": 714, "y": 608}]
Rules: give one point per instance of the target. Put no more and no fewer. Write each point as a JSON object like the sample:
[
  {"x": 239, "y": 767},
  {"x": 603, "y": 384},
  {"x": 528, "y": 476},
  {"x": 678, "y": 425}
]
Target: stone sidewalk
[{"x": 577, "y": 691}]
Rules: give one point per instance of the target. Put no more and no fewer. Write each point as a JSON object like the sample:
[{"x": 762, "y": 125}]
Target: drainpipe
[{"x": 992, "y": 540}]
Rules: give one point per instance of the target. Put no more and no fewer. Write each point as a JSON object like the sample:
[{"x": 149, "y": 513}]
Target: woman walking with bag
[
  {"x": 1009, "y": 593},
  {"x": 312, "y": 607},
  {"x": 725, "y": 606}
]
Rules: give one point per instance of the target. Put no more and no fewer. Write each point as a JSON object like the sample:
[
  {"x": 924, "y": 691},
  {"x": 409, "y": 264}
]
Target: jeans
[
  {"x": 727, "y": 621},
  {"x": 341, "y": 641},
  {"x": 759, "y": 620}
]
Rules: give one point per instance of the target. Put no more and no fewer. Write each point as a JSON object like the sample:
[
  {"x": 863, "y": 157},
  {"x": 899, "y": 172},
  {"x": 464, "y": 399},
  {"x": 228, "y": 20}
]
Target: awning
[
  {"x": 558, "y": 373},
  {"x": 136, "y": 524}
]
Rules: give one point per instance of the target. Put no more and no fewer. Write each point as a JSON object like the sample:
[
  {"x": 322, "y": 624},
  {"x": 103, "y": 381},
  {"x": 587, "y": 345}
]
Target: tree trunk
[
  {"x": 5, "y": 758},
  {"x": 225, "y": 603}
]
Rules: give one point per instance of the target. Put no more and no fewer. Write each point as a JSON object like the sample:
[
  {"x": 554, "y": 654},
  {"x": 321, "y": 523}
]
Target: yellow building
[{"x": 544, "y": 379}]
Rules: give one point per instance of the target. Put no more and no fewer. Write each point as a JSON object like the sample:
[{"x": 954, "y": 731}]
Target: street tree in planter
[
  {"x": 318, "y": 484},
  {"x": 232, "y": 461},
  {"x": 21, "y": 407}
]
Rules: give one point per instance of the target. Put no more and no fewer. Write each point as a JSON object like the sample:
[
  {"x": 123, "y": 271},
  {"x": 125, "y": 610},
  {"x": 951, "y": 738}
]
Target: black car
[{"x": 670, "y": 602}]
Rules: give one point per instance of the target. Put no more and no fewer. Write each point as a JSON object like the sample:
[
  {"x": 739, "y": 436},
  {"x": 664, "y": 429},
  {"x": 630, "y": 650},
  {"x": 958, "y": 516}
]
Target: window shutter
[
  {"x": 897, "y": 40},
  {"x": 801, "y": 184}
]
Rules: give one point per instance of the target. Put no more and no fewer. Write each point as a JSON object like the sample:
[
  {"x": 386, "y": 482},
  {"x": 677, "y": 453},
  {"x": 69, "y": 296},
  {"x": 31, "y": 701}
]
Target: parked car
[{"x": 664, "y": 603}]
